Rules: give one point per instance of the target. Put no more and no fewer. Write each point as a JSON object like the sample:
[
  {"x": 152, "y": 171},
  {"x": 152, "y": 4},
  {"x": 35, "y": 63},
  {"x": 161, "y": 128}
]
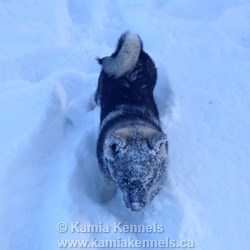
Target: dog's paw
[
  {"x": 108, "y": 191},
  {"x": 91, "y": 105}
]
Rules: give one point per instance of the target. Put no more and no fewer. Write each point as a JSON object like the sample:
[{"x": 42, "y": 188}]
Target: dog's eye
[{"x": 114, "y": 148}]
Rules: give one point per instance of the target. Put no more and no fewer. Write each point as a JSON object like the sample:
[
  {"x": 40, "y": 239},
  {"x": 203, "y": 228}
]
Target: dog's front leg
[{"x": 108, "y": 189}]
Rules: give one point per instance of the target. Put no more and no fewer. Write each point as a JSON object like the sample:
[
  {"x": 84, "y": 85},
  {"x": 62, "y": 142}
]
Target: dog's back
[
  {"x": 130, "y": 83},
  {"x": 131, "y": 148}
]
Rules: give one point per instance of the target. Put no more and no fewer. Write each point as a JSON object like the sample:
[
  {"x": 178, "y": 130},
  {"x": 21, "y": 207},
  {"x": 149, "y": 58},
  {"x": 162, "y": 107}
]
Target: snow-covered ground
[{"x": 48, "y": 72}]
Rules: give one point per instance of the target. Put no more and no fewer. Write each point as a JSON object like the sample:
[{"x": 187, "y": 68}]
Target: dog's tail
[{"x": 125, "y": 56}]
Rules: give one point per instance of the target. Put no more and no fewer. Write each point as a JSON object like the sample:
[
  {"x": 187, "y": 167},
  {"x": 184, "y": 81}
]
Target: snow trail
[{"x": 48, "y": 72}]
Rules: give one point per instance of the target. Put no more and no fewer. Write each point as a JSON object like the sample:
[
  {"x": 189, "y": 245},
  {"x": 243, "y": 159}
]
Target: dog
[{"x": 132, "y": 149}]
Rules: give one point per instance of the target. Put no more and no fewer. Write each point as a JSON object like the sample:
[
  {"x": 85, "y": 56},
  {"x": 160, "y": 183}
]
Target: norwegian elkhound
[{"x": 132, "y": 149}]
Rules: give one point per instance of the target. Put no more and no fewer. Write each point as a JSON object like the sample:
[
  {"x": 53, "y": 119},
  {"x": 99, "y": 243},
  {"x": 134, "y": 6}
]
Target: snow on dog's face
[{"x": 136, "y": 159}]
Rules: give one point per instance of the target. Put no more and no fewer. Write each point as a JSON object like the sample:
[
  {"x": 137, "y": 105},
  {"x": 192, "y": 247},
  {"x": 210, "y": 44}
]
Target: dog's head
[{"x": 136, "y": 158}]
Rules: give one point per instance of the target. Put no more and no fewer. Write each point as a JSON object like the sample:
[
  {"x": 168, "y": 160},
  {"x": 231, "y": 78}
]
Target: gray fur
[
  {"x": 120, "y": 110},
  {"x": 135, "y": 156}
]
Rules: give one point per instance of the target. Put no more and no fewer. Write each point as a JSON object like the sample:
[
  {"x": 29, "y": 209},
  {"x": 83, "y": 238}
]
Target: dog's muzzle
[{"x": 136, "y": 197}]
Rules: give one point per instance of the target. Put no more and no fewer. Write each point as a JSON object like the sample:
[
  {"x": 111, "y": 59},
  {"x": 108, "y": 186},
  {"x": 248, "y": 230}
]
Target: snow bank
[{"x": 48, "y": 72}]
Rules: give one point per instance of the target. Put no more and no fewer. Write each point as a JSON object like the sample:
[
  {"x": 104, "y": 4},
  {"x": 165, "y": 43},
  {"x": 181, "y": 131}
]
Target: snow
[{"x": 48, "y": 72}]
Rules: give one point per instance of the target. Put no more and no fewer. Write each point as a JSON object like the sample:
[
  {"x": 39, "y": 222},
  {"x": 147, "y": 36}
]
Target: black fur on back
[{"x": 133, "y": 88}]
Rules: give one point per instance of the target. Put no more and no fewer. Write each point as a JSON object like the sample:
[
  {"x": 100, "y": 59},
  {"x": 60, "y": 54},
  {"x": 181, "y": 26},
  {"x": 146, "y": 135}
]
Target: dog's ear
[
  {"x": 158, "y": 143},
  {"x": 114, "y": 145}
]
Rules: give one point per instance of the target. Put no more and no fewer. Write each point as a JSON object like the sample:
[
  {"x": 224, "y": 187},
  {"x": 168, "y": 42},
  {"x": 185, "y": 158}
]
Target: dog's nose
[{"x": 136, "y": 206}]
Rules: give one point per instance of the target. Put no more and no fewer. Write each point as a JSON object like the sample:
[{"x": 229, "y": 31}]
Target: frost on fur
[
  {"x": 113, "y": 146},
  {"x": 124, "y": 58},
  {"x": 137, "y": 165}
]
